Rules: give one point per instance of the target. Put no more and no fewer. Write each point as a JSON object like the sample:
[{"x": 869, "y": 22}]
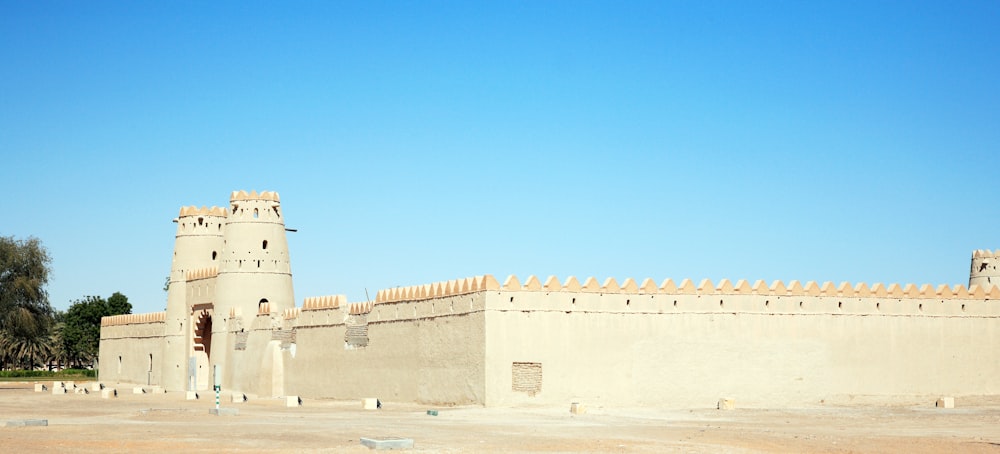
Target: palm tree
[
  {"x": 26, "y": 352},
  {"x": 25, "y": 313},
  {"x": 25, "y": 339}
]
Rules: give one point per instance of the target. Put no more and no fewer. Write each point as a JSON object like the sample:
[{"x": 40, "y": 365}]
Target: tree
[
  {"x": 80, "y": 330},
  {"x": 26, "y": 352},
  {"x": 118, "y": 304},
  {"x": 25, "y": 313}
]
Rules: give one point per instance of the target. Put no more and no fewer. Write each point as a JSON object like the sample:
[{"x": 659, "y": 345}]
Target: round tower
[
  {"x": 254, "y": 272},
  {"x": 197, "y": 246},
  {"x": 984, "y": 269}
]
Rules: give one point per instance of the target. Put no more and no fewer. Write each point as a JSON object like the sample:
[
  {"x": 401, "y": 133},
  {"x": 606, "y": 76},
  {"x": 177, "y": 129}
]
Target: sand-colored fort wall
[
  {"x": 687, "y": 345},
  {"x": 131, "y": 348},
  {"x": 428, "y": 351},
  {"x": 677, "y": 344}
]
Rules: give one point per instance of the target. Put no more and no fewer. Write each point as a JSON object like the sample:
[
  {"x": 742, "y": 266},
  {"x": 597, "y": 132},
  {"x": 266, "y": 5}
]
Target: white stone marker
[{"x": 945, "y": 402}]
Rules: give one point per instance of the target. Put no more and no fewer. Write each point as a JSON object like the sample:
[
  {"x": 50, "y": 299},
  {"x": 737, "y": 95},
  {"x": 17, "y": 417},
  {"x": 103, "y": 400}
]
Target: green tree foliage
[
  {"x": 80, "y": 327},
  {"x": 26, "y": 352},
  {"x": 25, "y": 313},
  {"x": 118, "y": 304}
]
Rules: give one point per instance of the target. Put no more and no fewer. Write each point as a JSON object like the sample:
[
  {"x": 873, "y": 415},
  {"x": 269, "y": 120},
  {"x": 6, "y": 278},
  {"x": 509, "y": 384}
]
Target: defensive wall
[
  {"x": 476, "y": 341},
  {"x": 131, "y": 347}
]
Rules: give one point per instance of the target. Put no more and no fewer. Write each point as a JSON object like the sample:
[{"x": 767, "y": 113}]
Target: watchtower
[
  {"x": 254, "y": 269},
  {"x": 197, "y": 245},
  {"x": 984, "y": 269}
]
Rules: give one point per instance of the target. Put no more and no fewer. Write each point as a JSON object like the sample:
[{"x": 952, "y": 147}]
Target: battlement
[
  {"x": 759, "y": 287},
  {"x": 985, "y": 253},
  {"x": 323, "y": 302},
  {"x": 685, "y": 287},
  {"x": 202, "y": 273},
  {"x": 360, "y": 308},
  {"x": 437, "y": 289},
  {"x": 132, "y": 319},
  {"x": 253, "y": 195},
  {"x": 195, "y": 211}
]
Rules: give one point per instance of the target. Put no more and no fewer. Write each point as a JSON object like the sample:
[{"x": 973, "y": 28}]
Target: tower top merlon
[
  {"x": 253, "y": 195},
  {"x": 985, "y": 253},
  {"x": 195, "y": 211}
]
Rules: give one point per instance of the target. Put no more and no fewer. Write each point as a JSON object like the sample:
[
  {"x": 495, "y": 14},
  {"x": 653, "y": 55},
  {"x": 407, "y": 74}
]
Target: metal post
[{"x": 218, "y": 386}]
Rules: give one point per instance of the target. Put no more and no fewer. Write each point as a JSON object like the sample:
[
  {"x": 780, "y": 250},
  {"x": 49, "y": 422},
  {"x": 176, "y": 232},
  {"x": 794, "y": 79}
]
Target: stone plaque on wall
[
  {"x": 356, "y": 334},
  {"x": 526, "y": 378}
]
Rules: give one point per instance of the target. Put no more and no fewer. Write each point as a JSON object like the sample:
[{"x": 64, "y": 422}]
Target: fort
[{"x": 478, "y": 341}]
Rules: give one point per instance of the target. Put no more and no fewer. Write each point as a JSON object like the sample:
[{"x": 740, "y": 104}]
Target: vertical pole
[{"x": 218, "y": 386}]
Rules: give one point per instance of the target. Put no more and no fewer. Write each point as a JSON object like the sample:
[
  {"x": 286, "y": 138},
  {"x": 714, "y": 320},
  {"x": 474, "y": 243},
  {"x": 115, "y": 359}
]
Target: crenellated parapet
[
  {"x": 202, "y": 273},
  {"x": 360, "y": 308},
  {"x": 193, "y": 220},
  {"x": 759, "y": 287},
  {"x": 255, "y": 207},
  {"x": 291, "y": 313},
  {"x": 253, "y": 195},
  {"x": 323, "y": 302},
  {"x": 133, "y": 319},
  {"x": 203, "y": 211},
  {"x": 437, "y": 289}
]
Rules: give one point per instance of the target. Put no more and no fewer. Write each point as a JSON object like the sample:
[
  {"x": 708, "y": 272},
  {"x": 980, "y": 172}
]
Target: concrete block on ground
[
  {"x": 138, "y": 390},
  {"x": 27, "y": 422},
  {"x": 370, "y": 403},
  {"x": 224, "y": 411},
  {"x": 387, "y": 443},
  {"x": 239, "y": 398},
  {"x": 577, "y": 408},
  {"x": 191, "y": 395},
  {"x": 69, "y": 384},
  {"x": 58, "y": 389},
  {"x": 108, "y": 393},
  {"x": 81, "y": 391},
  {"x": 158, "y": 390},
  {"x": 726, "y": 404},
  {"x": 39, "y": 387},
  {"x": 945, "y": 402},
  {"x": 293, "y": 401},
  {"x": 96, "y": 386}
]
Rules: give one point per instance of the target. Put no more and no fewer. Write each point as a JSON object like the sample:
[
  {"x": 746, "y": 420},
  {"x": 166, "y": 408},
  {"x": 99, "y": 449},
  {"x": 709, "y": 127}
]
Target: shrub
[{"x": 47, "y": 374}]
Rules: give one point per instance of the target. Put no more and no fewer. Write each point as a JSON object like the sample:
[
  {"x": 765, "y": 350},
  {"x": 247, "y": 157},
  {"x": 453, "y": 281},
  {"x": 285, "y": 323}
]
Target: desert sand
[{"x": 170, "y": 423}]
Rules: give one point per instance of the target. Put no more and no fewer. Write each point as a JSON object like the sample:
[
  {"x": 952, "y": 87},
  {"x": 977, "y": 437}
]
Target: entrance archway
[
  {"x": 203, "y": 333},
  {"x": 201, "y": 346}
]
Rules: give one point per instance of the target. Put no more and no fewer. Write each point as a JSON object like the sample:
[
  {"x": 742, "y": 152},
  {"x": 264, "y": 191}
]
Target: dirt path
[{"x": 169, "y": 423}]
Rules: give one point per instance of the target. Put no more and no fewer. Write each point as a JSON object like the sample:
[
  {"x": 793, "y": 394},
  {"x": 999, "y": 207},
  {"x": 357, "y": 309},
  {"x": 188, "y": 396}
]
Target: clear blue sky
[{"x": 414, "y": 142}]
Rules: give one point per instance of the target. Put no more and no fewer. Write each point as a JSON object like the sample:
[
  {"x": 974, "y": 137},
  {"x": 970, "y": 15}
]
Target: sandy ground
[{"x": 169, "y": 423}]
